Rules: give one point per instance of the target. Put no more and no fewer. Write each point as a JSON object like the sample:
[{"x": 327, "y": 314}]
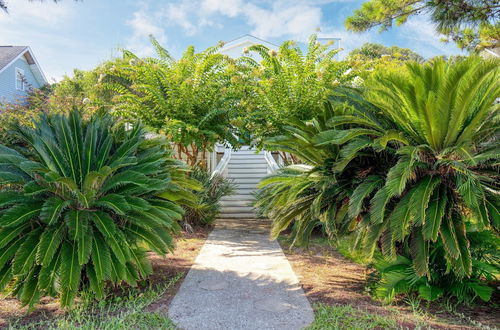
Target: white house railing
[
  {"x": 272, "y": 166},
  {"x": 222, "y": 165}
]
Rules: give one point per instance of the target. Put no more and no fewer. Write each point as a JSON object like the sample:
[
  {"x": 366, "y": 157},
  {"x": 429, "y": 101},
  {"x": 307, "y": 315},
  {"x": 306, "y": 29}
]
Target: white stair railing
[
  {"x": 272, "y": 166},
  {"x": 221, "y": 168}
]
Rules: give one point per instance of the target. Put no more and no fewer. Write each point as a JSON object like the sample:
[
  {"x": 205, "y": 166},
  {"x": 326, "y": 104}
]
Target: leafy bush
[
  {"x": 207, "y": 209},
  {"x": 289, "y": 84},
  {"x": 412, "y": 169},
  {"x": 302, "y": 196},
  {"x": 190, "y": 100},
  {"x": 82, "y": 206},
  {"x": 393, "y": 277},
  {"x": 437, "y": 119}
]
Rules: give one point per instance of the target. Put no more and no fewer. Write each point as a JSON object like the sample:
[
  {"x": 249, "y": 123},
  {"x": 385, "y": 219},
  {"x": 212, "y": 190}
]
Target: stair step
[
  {"x": 247, "y": 160},
  {"x": 244, "y": 191},
  {"x": 236, "y": 209},
  {"x": 237, "y": 215},
  {"x": 262, "y": 171},
  {"x": 258, "y": 165},
  {"x": 255, "y": 180},
  {"x": 240, "y": 176},
  {"x": 238, "y": 197},
  {"x": 236, "y": 203},
  {"x": 246, "y": 185}
]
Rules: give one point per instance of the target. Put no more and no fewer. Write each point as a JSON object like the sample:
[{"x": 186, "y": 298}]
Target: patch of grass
[
  {"x": 344, "y": 246},
  {"x": 348, "y": 317},
  {"x": 126, "y": 311}
]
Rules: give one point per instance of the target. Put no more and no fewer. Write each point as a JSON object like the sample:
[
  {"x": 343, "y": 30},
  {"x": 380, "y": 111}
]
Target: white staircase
[{"x": 246, "y": 169}]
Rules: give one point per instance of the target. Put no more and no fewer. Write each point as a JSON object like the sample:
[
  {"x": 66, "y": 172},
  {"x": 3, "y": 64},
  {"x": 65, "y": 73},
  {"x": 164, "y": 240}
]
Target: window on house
[{"x": 20, "y": 80}]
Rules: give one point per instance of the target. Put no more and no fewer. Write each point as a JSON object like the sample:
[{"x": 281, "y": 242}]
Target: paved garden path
[{"x": 241, "y": 280}]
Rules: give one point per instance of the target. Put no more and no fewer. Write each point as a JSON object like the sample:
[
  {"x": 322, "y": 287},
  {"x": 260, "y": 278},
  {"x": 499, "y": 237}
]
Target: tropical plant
[
  {"x": 189, "y": 100},
  {"x": 290, "y": 85},
  {"x": 82, "y": 205},
  {"x": 440, "y": 121},
  {"x": 393, "y": 277},
  {"x": 310, "y": 196},
  {"x": 409, "y": 165},
  {"x": 214, "y": 187}
]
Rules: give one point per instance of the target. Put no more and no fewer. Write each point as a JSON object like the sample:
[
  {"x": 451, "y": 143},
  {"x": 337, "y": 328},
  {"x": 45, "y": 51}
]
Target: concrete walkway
[{"x": 241, "y": 280}]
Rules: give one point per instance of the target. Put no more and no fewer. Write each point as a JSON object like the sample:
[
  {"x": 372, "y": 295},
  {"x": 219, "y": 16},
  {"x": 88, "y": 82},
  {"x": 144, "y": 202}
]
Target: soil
[
  {"x": 329, "y": 278},
  {"x": 325, "y": 275},
  {"x": 188, "y": 246}
]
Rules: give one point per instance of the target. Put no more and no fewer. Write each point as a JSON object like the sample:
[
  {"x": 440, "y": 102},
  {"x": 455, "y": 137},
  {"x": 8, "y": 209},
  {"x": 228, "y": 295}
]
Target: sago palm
[
  {"x": 310, "y": 195},
  {"x": 81, "y": 206},
  {"x": 440, "y": 121}
]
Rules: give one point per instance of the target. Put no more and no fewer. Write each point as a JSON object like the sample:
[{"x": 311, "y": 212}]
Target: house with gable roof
[{"x": 19, "y": 72}]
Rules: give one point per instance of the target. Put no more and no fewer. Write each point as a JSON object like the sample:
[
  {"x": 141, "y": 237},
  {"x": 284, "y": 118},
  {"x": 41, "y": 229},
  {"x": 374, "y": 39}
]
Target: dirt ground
[
  {"x": 187, "y": 247},
  {"x": 327, "y": 277}
]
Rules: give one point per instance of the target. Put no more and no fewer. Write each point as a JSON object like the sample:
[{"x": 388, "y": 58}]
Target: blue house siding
[{"x": 8, "y": 92}]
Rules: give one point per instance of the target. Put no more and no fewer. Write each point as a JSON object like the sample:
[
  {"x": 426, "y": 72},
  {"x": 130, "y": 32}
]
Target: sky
[{"x": 83, "y": 34}]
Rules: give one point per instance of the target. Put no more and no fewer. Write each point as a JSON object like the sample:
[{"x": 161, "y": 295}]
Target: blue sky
[{"x": 81, "y": 35}]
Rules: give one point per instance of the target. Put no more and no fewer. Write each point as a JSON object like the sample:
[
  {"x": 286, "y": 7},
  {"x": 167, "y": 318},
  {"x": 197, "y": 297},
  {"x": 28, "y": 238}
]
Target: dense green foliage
[
  {"x": 471, "y": 24},
  {"x": 370, "y": 58},
  {"x": 372, "y": 51},
  {"x": 207, "y": 208},
  {"x": 189, "y": 100},
  {"x": 82, "y": 205},
  {"x": 290, "y": 84},
  {"x": 410, "y": 165}
]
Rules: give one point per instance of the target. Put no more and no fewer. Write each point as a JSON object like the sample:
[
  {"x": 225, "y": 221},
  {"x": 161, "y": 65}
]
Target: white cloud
[
  {"x": 295, "y": 21},
  {"x": 144, "y": 24},
  {"x": 180, "y": 14},
  {"x": 230, "y": 8}
]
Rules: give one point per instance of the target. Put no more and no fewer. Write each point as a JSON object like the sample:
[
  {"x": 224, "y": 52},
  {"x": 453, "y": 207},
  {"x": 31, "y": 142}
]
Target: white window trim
[{"x": 20, "y": 72}]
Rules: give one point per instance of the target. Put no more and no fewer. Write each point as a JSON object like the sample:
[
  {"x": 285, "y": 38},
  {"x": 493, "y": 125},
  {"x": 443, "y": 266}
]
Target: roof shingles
[{"x": 8, "y": 53}]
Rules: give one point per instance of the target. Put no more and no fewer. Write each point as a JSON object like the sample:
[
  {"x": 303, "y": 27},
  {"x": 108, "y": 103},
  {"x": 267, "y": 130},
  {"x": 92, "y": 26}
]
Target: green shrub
[
  {"x": 440, "y": 121},
  {"x": 393, "y": 277},
  {"x": 314, "y": 196},
  {"x": 81, "y": 207},
  {"x": 207, "y": 209},
  {"x": 410, "y": 165}
]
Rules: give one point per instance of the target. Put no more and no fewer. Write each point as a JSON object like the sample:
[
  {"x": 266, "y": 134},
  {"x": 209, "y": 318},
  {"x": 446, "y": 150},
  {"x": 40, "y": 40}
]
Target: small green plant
[
  {"x": 398, "y": 276},
  {"x": 81, "y": 206},
  {"x": 213, "y": 188}
]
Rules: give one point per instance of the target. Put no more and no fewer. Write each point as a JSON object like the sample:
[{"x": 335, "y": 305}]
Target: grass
[
  {"x": 344, "y": 246},
  {"x": 348, "y": 317},
  {"x": 127, "y": 311}
]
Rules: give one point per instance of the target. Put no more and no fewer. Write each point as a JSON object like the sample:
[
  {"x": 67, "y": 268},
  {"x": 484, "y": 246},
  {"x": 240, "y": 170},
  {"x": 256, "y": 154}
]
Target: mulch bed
[
  {"x": 187, "y": 248},
  {"x": 327, "y": 277}
]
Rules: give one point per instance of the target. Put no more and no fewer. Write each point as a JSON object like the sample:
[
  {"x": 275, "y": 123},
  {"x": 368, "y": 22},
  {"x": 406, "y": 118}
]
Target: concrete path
[{"x": 241, "y": 280}]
